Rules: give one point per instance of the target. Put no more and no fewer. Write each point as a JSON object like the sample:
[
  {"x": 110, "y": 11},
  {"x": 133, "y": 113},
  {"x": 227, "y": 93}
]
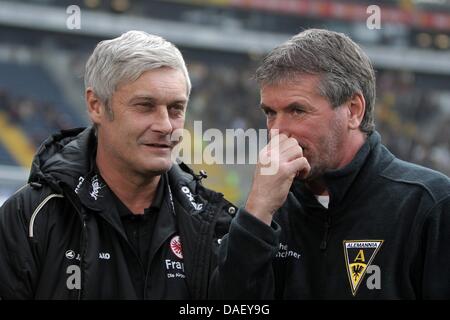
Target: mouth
[{"x": 159, "y": 145}]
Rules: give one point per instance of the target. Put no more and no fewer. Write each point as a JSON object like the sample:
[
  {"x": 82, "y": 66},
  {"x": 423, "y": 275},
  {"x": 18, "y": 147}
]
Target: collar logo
[
  {"x": 80, "y": 183},
  {"x": 187, "y": 192},
  {"x": 175, "y": 246},
  {"x": 359, "y": 255},
  {"x": 96, "y": 187}
]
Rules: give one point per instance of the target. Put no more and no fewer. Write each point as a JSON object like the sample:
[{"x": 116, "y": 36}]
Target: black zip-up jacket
[
  {"x": 58, "y": 240},
  {"x": 386, "y": 235}
]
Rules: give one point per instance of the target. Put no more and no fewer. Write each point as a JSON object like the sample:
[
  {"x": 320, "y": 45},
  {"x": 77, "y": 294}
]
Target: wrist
[{"x": 259, "y": 211}]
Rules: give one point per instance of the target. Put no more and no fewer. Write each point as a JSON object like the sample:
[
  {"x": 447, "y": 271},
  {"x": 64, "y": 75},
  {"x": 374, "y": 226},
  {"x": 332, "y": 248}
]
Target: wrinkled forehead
[{"x": 310, "y": 82}]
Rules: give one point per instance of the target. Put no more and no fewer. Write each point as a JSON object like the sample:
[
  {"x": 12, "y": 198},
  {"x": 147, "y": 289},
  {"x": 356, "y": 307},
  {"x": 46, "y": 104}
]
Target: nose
[
  {"x": 161, "y": 121},
  {"x": 280, "y": 123}
]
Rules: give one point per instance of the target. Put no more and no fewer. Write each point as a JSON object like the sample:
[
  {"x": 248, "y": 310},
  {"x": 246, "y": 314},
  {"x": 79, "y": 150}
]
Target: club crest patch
[
  {"x": 175, "y": 245},
  {"x": 359, "y": 255}
]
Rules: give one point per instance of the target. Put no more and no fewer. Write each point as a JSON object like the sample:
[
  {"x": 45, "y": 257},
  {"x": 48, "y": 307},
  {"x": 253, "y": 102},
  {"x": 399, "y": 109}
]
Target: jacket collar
[
  {"x": 65, "y": 157},
  {"x": 351, "y": 179},
  {"x": 95, "y": 194},
  {"x": 185, "y": 188}
]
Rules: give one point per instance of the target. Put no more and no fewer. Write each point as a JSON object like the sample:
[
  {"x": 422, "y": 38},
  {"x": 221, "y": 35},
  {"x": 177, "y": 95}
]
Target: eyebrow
[
  {"x": 142, "y": 98},
  {"x": 154, "y": 101},
  {"x": 182, "y": 101},
  {"x": 289, "y": 106},
  {"x": 264, "y": 107},
  {"x": 294, "y": 105}
]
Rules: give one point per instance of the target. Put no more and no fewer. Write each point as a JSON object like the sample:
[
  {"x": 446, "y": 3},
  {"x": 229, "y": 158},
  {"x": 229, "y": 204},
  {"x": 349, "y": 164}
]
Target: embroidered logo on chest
[
  {"x": 359, "y": 255},
  {"x": 175, "y": 246}
]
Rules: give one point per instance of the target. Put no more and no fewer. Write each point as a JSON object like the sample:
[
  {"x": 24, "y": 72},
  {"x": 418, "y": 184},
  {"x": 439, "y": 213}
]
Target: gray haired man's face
[{"x": 146, "y": 112}]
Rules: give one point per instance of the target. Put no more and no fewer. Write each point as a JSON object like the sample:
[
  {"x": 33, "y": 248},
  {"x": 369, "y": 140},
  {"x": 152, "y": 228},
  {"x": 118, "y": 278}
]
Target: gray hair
[
  {"x": 125, "y": 58},
  {"x": 343, "y": 67}
]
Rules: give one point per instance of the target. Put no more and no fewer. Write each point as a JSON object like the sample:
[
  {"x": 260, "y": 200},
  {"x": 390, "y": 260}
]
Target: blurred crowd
[
  {"x": 414, "y": 123},
  {"x": 36, "y": 118},
  {"x": 224, "y": 97}
]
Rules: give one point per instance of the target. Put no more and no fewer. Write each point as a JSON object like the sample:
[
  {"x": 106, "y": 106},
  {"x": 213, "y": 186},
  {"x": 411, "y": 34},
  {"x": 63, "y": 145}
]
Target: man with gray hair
[
  {"x": 106, "y": 214},
  {"x": 342, "y": 218}
]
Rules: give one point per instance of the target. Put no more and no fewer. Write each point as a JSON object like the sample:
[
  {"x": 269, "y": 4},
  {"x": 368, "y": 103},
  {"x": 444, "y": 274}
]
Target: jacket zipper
[
  {"x": 136, "y": 255},
  {"x": 83, "y": 247},
  {"x": 324, "y": 243},
  {"x": 205, "y": 253},
  {"x": 147, "y": 272},
  {"x": 82, "y": 255}
]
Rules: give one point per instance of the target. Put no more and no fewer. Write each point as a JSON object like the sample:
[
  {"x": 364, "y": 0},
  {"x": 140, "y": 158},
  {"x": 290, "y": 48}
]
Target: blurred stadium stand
[
  {"x": 5, "y": 157},
  {"x": 42, "y": 64}
]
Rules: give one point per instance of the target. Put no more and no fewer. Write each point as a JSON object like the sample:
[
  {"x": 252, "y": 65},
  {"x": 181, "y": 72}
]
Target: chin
[
  {"x": 161, "y": 167},
  {"x": 155, "y": 166}
]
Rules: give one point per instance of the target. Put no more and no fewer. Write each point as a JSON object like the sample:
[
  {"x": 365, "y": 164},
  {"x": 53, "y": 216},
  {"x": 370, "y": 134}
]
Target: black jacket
[
  {"x": 58, "y": 240},
  {"x": 386, "y": 235}
]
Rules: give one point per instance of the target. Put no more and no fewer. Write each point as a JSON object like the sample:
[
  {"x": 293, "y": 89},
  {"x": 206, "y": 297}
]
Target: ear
[
  {"x": 95, "y": 107},
  {"x": 356, "y": 109}
]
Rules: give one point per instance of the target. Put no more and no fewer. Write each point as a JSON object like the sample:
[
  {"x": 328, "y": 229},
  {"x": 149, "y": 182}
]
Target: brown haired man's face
[{"x": 296, "y": 109}]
